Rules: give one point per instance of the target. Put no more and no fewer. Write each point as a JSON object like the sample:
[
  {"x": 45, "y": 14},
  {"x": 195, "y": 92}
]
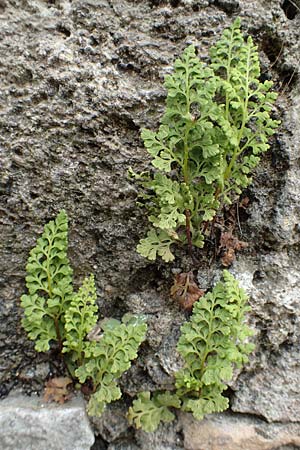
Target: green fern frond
[
  {"x": 53, "y": 312},
  {"x": 212, "y": 343},
  {"x": 148, "y": 412},
  {"x": 109, "y": 358},
  {"x": 49, "y": 284},
  {"x": 157, "y": 244},
  {"x": 215, "y": 127},
  {"x": 80, "y": 318},
  {"x": 246, "y": 106}
]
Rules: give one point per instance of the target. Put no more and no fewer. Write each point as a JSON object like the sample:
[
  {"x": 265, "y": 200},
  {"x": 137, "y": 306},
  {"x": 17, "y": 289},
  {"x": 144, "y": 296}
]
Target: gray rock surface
[
  {"x": 27, "y": 423},
  {"x": 271, "y": 385},
  {"x": 78, "y": 81}
]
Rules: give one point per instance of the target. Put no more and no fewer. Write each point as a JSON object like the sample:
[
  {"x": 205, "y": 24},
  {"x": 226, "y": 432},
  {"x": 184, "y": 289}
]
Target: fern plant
[
  {"x": 54, "y": 313},
  {"x": 215, "y": 127},
  {"x": 212, "y": 343},
  {"x": 49, "y": 284}
]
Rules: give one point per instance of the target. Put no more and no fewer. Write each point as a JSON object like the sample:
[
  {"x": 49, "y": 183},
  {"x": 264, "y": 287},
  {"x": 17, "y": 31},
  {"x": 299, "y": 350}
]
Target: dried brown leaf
[
  {"x": 229, "y": 244},
  {"x": 56, "y": 390},
  {"x": 244, "y": 203},
  {"x": 185, "y": 290},
  {"x": 228, "y": 257}
]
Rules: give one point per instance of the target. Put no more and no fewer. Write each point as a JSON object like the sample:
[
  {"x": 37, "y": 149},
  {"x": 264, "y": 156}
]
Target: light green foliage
[
  {"x": 49, "y": 284},
  {"x": 211, "y": 344},
  {"x": 246, "y": 107},
  {"x": 109, "y": 358},
  {"x": 147, "y": 412},
  {"x": 81, "y": 317},
  {"x": 54, "y": 313},
  {"x": 156, "y": 244},
  {"x": 216, "y": 124}
]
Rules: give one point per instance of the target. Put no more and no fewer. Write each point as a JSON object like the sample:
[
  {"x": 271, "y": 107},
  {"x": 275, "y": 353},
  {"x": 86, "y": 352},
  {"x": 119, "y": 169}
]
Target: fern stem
[
  {"x": 59, "y": 340},
  {"x": 188, "y": 231},
  {"x": 186, "y": 174}
]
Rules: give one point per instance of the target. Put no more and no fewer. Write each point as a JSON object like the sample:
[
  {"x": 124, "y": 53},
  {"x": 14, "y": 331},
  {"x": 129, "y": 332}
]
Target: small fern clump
[
  {"x": 212, "y": 343},
  {"x": 54, "y": 313},
  {"x": 49, "y": 284},
  {"x": 216, "y": 125}
]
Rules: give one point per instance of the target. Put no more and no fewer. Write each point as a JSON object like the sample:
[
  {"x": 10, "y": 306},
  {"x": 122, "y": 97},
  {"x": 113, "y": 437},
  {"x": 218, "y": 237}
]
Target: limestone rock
[
  {"x": 226, "y": 432},
  {"x": 27, "y": 423},
  {"x": 270, "y": 385},
  {"x": 112, "y": 424}
]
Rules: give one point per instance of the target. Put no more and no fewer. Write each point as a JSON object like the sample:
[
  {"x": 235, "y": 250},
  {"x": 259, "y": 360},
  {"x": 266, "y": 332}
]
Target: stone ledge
[
  {"x": 235, "y": 432},
  {"x": 27, "y": 423}
]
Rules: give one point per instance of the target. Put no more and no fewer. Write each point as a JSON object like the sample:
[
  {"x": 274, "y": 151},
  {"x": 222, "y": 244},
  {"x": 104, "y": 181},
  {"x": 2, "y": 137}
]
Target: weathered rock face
[
  {"x": 78, "y": 81},
  {"x": 228, "y": 432},
  {"x": 26, "y": 423},
  {"x": 271, "y": 387}
]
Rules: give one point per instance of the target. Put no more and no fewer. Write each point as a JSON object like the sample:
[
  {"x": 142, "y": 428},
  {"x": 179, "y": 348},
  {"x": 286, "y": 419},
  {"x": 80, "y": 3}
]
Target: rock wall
[{"x": 78, "y": 81}]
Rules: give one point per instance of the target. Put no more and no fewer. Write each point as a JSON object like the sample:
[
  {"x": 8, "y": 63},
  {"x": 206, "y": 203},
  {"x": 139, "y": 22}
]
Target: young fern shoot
[{"x": 216, "y": 124}]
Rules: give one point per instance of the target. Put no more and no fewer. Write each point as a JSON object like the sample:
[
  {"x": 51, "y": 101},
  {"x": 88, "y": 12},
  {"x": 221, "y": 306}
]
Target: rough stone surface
[
  {"x": 112, "y": 424},
  {"x": 271, "y": 385},
  {"x": 78, "y": 82},
  {"x": 27, "y": 423},
  {"x": 228, "y": 432}
]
